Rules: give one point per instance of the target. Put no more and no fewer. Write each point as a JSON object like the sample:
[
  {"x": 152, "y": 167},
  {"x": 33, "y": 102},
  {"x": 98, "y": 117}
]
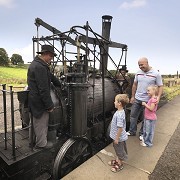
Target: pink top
[{"x": 151, "y": 115}]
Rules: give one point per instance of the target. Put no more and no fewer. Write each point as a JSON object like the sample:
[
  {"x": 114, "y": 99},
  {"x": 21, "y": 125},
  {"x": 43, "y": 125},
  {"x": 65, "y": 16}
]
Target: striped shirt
[
  {"x": 144, "y": 79},
  {"x": 118, "y": 121}
]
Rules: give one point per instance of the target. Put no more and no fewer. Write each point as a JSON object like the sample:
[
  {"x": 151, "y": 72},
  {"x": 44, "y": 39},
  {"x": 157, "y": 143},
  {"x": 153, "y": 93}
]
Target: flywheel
[{"x": 74, "y": 152}]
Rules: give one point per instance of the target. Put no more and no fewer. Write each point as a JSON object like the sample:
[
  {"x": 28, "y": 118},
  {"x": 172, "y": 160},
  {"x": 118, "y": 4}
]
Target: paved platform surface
[{"x": 143, "y": 162}]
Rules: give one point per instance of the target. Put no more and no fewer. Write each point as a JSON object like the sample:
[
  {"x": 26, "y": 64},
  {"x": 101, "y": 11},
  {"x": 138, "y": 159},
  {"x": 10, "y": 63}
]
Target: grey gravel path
[{"x": 168, "y": 166}]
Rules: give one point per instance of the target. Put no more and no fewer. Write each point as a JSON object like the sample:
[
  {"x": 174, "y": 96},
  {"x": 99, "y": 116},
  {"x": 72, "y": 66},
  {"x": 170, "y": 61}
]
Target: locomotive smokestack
[{"x": 106, "y": 26}]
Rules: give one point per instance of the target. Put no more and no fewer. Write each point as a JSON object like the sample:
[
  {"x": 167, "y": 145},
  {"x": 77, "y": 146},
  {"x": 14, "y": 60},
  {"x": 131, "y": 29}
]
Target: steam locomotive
[{"x": 79, "y": 124}]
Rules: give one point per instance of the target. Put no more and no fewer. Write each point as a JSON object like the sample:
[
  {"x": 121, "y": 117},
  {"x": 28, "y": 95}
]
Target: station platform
[{"x": 141, "y": 160}]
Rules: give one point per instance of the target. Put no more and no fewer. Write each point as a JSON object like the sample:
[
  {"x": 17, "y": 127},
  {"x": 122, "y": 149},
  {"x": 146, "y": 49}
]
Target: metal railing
[{"x": 4, "y": 113}]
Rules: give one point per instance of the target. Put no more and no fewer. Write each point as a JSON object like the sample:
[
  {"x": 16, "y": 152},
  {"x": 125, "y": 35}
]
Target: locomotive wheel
[{"x": 73, "y": 153}]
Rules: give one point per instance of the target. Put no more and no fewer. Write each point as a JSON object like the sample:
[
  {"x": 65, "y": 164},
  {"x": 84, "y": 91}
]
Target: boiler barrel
[{"x": 111, "y": 90}]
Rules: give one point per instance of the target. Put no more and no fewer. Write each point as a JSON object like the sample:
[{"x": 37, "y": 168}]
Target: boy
[{"x": 118, "y": 132}]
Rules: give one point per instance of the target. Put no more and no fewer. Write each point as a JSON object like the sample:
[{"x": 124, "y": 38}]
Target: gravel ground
[
  {"x": 17, "y": 118},
  {"x": 168, "y": 166}
]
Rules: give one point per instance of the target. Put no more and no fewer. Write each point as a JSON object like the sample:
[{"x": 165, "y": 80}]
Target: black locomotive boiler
[{"x": 84, "y": 105}]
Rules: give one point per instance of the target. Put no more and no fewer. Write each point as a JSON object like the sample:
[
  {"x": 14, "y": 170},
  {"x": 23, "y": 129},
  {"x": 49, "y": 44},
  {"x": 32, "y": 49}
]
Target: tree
[
  {"x": 16, "y": 59},
  {"x": 3, "y": 57}
]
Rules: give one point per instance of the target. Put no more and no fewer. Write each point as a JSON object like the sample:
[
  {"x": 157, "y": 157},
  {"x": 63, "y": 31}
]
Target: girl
[{"x": 150, "y": 116}]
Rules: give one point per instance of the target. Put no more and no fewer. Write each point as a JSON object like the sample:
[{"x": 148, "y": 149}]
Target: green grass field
[
  {"x": 17, "y": 77},
  {"x": 13, "y": 76}
]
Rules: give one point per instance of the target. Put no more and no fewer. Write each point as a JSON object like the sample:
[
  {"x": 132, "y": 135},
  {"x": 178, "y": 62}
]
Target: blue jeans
[
  {"x": 148, "y": 131},
  {"x": 137, "y": 109}
]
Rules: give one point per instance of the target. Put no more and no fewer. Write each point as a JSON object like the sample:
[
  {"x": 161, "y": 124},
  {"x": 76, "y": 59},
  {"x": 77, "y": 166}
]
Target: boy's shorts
[{"x": 121, "y": 150}]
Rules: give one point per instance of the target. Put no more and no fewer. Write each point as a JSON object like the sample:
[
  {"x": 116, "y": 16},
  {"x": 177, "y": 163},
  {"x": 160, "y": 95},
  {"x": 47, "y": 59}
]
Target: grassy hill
[{"x": 15, "y": 76}]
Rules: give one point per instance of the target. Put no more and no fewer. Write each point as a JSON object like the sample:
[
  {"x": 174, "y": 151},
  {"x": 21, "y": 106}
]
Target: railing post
[
  {"x": 5, "y": 115},
  {"x": 12, "y": 124}
]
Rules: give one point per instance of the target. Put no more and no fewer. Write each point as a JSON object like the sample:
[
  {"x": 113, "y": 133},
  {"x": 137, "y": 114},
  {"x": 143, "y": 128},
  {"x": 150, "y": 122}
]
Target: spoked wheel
[{"x": 73, "y": 153}]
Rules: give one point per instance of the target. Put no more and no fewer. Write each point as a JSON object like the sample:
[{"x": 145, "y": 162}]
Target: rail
[
  {"x": 12, "y": 111},
  {"x": 11, "y": 92}
]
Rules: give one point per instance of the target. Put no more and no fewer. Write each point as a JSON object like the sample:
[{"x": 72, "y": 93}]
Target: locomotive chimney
[{"x": 106, "y": 26}]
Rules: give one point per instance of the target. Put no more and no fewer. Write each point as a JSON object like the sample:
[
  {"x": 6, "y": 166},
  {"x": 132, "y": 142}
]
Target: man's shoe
[
  {"x": 141, "y": 138},
  {"x": 48, "y": 146},
  {"x": 130, "y": 134},
  {"x": 143, "y": 144}
]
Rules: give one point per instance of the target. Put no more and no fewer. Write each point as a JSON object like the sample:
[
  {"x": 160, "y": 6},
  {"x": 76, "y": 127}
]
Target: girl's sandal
[
  {"x": 117, "y": 168},
  {"x": 112, "y": 162}
]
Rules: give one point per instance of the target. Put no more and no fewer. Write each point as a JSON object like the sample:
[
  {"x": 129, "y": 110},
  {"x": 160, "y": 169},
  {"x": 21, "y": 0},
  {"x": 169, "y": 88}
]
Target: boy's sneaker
[
  {"x": 130, "y": 134},
  {"x": 143, "y": 144},
  {"x": 141, "y": 138}
]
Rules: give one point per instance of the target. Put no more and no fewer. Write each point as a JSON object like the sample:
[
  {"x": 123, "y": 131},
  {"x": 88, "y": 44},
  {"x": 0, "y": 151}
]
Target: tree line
[{"x": 15, "y": 59}]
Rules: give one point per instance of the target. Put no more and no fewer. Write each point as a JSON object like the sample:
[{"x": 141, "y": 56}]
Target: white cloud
[
  {"x": 133, "y": 4},
  {"x": 7, "y": 3},
  {"x": 25, "y": 52}
]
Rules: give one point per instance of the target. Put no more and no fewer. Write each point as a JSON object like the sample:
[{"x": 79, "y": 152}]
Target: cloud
[
  {"x": 25, "y": 52},
  {"x": 7, "y": 3},
  {"x": 133, "y": 4}
]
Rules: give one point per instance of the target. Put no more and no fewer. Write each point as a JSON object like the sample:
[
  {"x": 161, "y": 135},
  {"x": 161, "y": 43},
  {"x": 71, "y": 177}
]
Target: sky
[{"x": 150, "y": 28}]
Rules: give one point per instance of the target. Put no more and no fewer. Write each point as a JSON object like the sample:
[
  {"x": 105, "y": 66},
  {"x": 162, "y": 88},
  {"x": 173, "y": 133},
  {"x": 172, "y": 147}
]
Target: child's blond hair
[
  {"x": 154, "y": 88},
  {"x": 122, "y": 98}
]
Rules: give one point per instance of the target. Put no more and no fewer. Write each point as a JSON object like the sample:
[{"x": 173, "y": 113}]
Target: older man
[
  {"x": 144, "y": 77},
  {"x": 39, "y": 79}
]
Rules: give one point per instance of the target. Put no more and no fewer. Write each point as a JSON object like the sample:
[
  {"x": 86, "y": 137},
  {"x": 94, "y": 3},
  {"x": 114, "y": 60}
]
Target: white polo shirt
[{"x": 144, "y": 79}]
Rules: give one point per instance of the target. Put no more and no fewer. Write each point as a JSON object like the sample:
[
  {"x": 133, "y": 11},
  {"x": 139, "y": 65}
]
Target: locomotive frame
[{"x": 79, "y": 124}]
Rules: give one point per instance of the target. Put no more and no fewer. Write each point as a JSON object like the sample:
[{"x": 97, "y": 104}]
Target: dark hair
[{"x": 123, "y": 68}]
